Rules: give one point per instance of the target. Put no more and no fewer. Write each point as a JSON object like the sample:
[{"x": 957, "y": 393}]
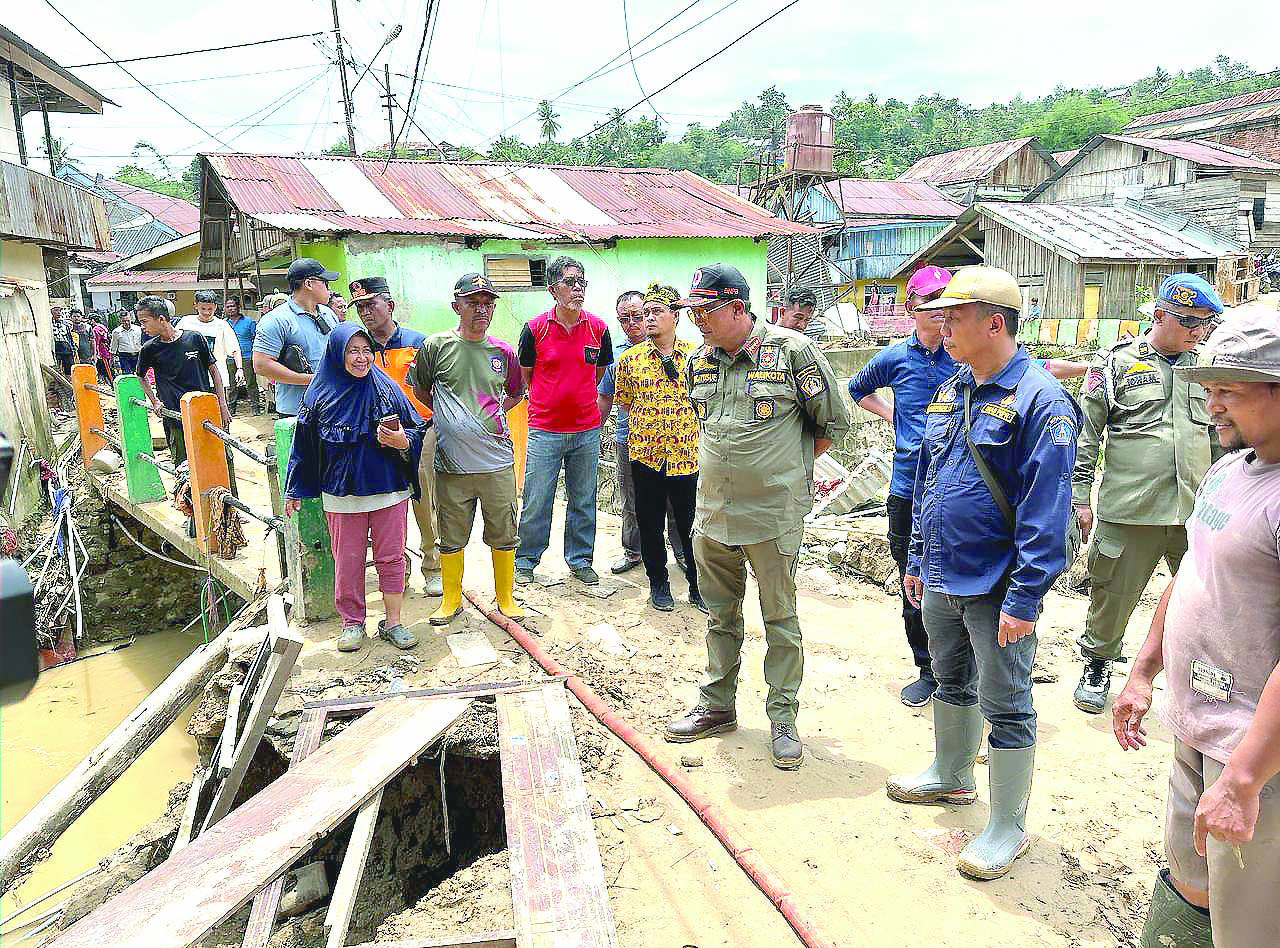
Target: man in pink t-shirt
[
  {"x": 1217, "y": 634},
  {"x": 563, "y": 353}
]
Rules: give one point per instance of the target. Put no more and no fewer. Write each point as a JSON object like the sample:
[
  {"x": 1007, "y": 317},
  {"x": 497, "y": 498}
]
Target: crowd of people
[{"x": 992, "y": 493}]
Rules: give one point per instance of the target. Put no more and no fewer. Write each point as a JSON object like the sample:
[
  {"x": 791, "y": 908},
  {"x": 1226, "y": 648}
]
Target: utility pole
[
  {"x": 342, "y": 76},
  {"x": 390, "y": 98}
]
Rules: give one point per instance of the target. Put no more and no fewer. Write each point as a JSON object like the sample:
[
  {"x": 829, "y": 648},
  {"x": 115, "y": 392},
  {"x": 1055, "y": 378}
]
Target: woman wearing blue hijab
[{"x": 356, "y": 448}]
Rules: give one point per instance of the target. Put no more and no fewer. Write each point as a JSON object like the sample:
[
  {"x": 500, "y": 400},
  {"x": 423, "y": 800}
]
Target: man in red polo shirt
[{"x": 563, "y": 354}]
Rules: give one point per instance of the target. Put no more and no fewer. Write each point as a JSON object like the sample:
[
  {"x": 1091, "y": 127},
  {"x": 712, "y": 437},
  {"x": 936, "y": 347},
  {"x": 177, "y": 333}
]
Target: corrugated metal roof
[
  {"x": 182, "y": 216},
  {"x": 1246, "y": 100},
  {"x": 143, "y": 277},
  {"x": 874, "y": 197},
  {"x": 1107, "y": 233},
  {"x": 482, "y": 199},
  {"x": 1199, "y": 125},
  {"x": 1211, "y": 154},
  {"x": 1062, "y": 157},
  {"x": 963, "y": 164},
  {"x": 42, "y": 209}
]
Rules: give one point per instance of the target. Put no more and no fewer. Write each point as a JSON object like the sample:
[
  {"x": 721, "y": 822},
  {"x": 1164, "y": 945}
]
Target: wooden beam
[
  {"x": 227, "y": 746},
  {"x": 190, "y": 809},
  {"x": 178, "y": 902},
  {"x": 972, "y": 246},
  {"x": 266, "y": 904},
  {"x": 505, "y": 939},
  {"x": 338, "y": 919},
  {"x": 362, "y": 703},
  {"x": 285, "y": 646}
]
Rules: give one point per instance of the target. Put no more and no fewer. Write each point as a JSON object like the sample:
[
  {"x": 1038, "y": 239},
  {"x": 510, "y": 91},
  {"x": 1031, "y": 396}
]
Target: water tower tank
[{"x": 809, "y": 139}]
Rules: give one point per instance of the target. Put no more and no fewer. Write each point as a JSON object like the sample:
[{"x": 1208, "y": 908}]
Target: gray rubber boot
[
  {"x": 1172, "y": 921},
  {"x": 992, "y": 852},
  {"x": 957, "y": 734}
]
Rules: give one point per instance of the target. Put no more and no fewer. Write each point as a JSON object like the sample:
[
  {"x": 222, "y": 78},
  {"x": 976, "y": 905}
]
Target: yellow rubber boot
[
  {"x": 451, "y": 578},
  {"x": 504, "y": 570}
]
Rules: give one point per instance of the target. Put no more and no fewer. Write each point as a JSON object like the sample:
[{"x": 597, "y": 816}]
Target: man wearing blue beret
[{"x": 1158, "y": 449}]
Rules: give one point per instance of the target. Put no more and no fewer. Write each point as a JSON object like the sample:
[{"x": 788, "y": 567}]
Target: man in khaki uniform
[
  {"x": 768, "y": 403},
  {"x": 1157, "y": 431}
]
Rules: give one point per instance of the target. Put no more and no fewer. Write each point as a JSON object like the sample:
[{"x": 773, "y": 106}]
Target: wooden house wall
[
  {"x": 1063, "y": 285},
  {"x": 1097, "y": 177},
  {"x": 1023, "y": 170}
]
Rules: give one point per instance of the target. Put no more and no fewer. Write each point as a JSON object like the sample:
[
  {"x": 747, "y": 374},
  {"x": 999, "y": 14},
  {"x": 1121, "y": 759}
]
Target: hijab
[{"x": 338, "y": 398}]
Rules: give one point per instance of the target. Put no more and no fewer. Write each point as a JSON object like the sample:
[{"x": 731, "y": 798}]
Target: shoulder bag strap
[{"x": 984, "y": 469}]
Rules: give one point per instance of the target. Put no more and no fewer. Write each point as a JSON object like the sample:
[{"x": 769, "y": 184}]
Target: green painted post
[
  {"x": 308, "y": 554},
  {"x": 142, "y": 480}
]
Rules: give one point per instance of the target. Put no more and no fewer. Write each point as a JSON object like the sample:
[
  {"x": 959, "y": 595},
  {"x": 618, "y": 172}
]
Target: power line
[
  {"x": 185, "y": 52},
  {"x": 234, "y": 75},
  {"x": 730, "y": 45},
  {"x": 420, "y": 62},
  {"x": 626, "y": 28},
  {"x": 155, "y": 94}
]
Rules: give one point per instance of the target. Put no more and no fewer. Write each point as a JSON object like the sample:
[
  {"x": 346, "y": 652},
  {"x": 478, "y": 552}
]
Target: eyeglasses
[
  {"x": 571, "y": 282},
  {"x": 702, "y": 312},
  {"x": 1195, "y": 322},
  {"x": 627, "y": 318}
]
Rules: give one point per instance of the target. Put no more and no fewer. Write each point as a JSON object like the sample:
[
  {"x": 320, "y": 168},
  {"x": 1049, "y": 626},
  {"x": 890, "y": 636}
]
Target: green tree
[
  {"x": 1073, "y": 120},
  {"x": 547, "y": 117},
  {"x": 60, "y": 152}
]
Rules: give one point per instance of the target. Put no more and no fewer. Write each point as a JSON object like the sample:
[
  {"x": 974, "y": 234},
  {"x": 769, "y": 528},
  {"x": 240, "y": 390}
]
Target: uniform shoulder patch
[
  {"x": 811, "y": 381},
  {"x": 1062, "y": 430},
  {"x": 1094, "y": 380}
]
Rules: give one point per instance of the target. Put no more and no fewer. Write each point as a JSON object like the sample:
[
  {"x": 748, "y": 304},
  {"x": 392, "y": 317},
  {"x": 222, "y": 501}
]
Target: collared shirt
[
  {"x": 562, "y": 388},
  {"x": 1157, "y": 430},
  {"x": 245, "y": 330},
  {"x": 760, "y": 411},
  {"x": 664, "y": 429},
  {"x": 914, "y": 373},
  {"x": 1025, "y": 425},
  {"x": 607, "y": 386},
  {"x": 127, "y": 339},
  {"x": 291, "y": 325}
]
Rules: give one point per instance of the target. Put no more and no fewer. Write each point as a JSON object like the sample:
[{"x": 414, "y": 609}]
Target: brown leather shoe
[{"x": 699, "y": 723}]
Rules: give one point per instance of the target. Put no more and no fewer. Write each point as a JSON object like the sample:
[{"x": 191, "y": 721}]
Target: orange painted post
[
  {"x": 518, "y": 421},
  {"x": 206, "y": 457},
  {"x": 88, "y": 411}
]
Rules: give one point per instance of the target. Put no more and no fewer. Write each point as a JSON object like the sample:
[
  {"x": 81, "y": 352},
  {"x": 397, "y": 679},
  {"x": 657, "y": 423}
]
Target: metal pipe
[
  {"x": 275, "y": 523},
  {"x": 236, "y": 443},
  {"x": 156, "y": 409},
  {"x": 109, "y": 438},
  {"x": 101, "y": 390},
  {"x": 159, "y": 464}
]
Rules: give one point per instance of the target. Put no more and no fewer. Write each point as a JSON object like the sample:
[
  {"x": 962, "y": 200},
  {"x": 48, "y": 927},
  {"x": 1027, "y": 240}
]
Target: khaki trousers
[
  {"x": 1243, "y": 906},
  {"x": 722, "y": 578},
  {"x": 1121, "y": 560},
  {"x": 456, "y": 499},
  {"x": 424, "y": 508}
]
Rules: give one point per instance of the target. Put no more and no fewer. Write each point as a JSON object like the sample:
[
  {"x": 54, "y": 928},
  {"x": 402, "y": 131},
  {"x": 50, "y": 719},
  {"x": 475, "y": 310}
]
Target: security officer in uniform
[
  {"x": 768, "y": 404},
  {"x": 991, "y": 508},
  {"x": 1158, "y": 449}
]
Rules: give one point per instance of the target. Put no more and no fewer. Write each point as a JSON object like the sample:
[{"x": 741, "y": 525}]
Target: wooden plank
[
  {"x": 286, "y": 644},
  {"x": 175, "y": 904},
  {"x": 338, "y": 919},
  {"x": 266, "y": 904},
  {"x": 227, "y": 746},
  {"x": 557, "y": 883},
  {"x": 189, "y": 810},
  {"x": 362, "y": 703},
  {"x": 505, "y": 939}
]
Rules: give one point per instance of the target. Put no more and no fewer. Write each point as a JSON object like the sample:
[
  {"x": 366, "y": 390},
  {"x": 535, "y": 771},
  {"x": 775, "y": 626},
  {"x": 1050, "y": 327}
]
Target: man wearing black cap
[
  {"x": 798, "y": 309},
  {"x": 290, "y": 342},
  {"x": 394, "y": 349},
  {"x": 768, "y": 403}
]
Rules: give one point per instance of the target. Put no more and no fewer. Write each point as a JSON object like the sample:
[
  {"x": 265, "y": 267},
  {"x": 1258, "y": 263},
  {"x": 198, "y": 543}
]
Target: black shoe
[
  {"x": 699, "y": 723},
  {"x": 919, "y": 692},
  {"x": 585, "y": 575},
  {"x": 682, "y": 563},
  {"x": 661, "y": 597},
  {"x": 1095, "y": 685},
  {"x": 695, "y": 600},
  {"x": 785, "y": 747}
]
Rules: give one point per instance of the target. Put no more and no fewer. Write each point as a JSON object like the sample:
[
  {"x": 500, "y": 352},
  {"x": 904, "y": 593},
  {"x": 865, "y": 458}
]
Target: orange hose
[{"x": 730, "y": 837}]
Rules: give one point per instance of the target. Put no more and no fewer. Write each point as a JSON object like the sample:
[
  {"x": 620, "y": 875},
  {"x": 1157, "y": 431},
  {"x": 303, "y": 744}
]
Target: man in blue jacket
[{"x": 989, "y": 536}]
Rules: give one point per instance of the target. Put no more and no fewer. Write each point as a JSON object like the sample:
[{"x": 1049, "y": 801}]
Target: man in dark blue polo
[
  {"x": 989, "y": 537},
  {"x": 913, "y": 369}
]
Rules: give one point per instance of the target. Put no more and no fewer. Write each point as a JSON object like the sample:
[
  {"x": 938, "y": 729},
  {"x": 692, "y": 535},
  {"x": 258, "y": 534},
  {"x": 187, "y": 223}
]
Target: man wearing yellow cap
[{"x": 991, "y": 503}]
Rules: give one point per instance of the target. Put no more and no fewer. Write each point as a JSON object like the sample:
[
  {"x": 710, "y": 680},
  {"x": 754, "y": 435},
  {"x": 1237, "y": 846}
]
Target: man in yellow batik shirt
[{"x": 662, "y": 441}]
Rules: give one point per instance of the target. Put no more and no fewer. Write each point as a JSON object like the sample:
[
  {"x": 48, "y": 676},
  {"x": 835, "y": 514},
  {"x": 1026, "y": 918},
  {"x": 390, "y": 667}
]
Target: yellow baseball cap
[{"x": 979, "y": 285}]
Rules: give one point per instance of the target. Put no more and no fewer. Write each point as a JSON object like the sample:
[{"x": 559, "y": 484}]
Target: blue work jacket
[{"x": 1025, "y": 425}]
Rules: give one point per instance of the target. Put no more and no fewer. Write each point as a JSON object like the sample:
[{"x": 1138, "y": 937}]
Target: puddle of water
[{"x": 67, "y": 714}]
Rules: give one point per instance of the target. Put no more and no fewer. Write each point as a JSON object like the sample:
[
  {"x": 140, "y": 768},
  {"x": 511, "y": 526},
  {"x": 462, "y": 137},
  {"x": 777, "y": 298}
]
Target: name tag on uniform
[
  {"x": 766, "y": 375},
  {"x": 1210, "y": 682},
  {"x": 999, "y": 411},
  {"x": 934, "y": 407},
  {"x": 705, "y": 375}
]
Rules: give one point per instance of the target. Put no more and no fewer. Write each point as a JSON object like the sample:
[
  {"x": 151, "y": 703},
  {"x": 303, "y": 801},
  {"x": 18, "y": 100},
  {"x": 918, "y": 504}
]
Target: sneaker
[
  {"x": 919, "y": 692},
  {"x": 585, "y": 575},
  {"x": 623, "y": 563},
  {"x": 397, "y": 635},
  {"x": 660, "y": 597},
  {"x": 1095, "y": 685},
  {"x": 351, "y": 638},
  {"x": 695, "y": 600},
  {"x": 785, "y": 747},
  {"x": 434, "y": 585},
  {"x": 699, "y": 723},
  {"x": 523, "y": 577}
]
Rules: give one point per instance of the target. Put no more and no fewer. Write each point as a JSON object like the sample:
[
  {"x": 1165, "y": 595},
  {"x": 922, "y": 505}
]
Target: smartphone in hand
[{"x": 390, "y": 421}]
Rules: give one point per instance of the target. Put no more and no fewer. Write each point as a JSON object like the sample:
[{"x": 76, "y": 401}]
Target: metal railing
[
  {"x": 108, "y": 437},
  {"x": 154, "y": 409}
]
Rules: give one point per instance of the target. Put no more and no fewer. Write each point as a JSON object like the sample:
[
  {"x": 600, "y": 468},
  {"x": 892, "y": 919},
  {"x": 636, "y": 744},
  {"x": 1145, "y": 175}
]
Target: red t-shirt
[{"x": 562, "y": 389}]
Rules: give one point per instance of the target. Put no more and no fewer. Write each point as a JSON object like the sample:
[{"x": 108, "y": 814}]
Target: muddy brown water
[{"x": 67, "y": 714}]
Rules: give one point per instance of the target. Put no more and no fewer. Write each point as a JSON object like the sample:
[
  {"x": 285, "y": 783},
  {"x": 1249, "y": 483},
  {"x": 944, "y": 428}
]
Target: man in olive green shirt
[
  {"x": 767, "y": 403},
  {"x": 1157, "y": 431}
]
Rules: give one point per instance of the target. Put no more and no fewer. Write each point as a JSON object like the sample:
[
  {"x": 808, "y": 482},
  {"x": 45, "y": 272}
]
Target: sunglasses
[
  {"x": 1194, "y": 322},
  {"x": 571, "y": 282}
]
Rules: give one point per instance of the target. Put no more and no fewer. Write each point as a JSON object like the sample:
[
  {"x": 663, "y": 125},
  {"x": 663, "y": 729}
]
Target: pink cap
[{"x": 928, "y": 280}]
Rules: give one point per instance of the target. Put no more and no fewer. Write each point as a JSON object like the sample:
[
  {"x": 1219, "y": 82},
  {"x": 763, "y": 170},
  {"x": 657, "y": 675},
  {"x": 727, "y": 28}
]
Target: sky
[{"x": 491, "y": 60}]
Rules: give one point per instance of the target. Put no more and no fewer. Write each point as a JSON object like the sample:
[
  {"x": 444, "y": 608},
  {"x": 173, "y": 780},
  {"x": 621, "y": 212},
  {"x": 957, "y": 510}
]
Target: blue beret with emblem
[{"x": 1189, "y": 290}]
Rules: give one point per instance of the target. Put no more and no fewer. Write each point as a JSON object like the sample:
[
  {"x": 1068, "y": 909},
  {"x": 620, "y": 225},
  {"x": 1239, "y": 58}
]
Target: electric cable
[
  {"x": 188, "y": 52},
  {"x": 626, "y": 28}
]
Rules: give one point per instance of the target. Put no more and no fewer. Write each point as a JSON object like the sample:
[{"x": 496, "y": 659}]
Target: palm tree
[
  {"x": 61, "y": 152},
  {"x": 550, "y": 127}
]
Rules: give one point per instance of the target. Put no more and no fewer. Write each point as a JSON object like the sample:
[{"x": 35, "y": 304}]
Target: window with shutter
[{"x": 515, "y": 273}]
